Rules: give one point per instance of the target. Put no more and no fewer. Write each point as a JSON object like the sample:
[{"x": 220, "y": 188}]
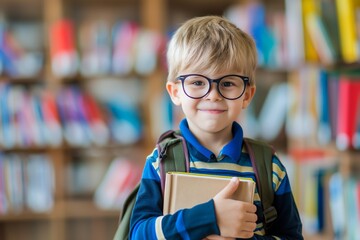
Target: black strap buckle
[{"x": 270, "y": 214}]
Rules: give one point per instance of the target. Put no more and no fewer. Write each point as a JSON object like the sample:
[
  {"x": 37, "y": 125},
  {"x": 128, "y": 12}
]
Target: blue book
[
  {"x": 7, "y": 126},
  {"x": 337, "y": 205},
  {"x": 324, "y": 130}
]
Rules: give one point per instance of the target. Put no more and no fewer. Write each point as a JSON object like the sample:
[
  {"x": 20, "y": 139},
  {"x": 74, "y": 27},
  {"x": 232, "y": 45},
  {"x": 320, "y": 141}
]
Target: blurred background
[{"x": 82, "y": 102}]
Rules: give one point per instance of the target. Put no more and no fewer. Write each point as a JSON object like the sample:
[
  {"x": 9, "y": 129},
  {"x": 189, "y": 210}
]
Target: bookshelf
[{"x": 75, "y": 215}]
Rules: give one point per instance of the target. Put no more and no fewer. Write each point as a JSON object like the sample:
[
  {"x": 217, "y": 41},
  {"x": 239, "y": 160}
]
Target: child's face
[{"x": 212, "y": 113}]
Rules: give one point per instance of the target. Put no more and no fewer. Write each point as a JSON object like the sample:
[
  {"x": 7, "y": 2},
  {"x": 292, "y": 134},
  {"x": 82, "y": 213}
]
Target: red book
[
  {"x": 348, "y": 105},
  {"x": 62, "y": 47},
  {"x": 51, "y": 118},
  {"x": 99, "y": 131}
]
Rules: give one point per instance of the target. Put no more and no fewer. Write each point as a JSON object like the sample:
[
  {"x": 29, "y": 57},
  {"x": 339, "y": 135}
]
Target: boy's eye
[
  {"x": 228, "y": 84},
  {"x": 196, "y": 81}
]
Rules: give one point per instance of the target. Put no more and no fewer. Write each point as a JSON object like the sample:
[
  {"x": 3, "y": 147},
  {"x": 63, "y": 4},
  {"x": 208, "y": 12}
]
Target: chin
[{"x": 212, "y": 128}]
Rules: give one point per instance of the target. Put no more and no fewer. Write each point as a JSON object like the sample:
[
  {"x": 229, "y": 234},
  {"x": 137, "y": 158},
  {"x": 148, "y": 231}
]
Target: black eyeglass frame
[{"x": 245, "y": 79}]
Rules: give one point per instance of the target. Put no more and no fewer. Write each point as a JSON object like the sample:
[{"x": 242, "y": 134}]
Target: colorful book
[
  {"x": 320, "y": 38},
  {"x": 333, "y": 92},
  {"x": 3, "y": 196},
  {"x": 324, "y": 127},
  {"x": 95, "y": 47},
  {"x": 99, "y": 132},
  {"x": 356, "y": 136},
  {"x": 118, "y": 182},
  {"x": 123, "y": 57},
  {"x": 349, "y": 92},
  {"x": 40, "y": 183},
  {"x": 309, "y": 8},
  {"x": 347, "y": 30},
  {"x": 273, "y": 112},
  {"x": 295, "y": 33},
  {"x": 185, "y": 190},
  {"x": 337, "y": 205},
  {"x": 64, "y": 58},
  {"x": 53, "y": 130},
  {"x": 328, "y": 15}
]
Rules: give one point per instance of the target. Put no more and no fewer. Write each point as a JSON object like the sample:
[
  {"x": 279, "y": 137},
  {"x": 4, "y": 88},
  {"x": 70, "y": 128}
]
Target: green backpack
[{"x": 171, "y": 147}]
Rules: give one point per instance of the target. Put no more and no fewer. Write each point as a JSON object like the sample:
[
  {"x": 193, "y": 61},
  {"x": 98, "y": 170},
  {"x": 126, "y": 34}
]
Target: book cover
[
  {"x": 328, "y": 14},
  {"x": 53, "y": 130},
  {"x": 349, "y": 92},
  {"x": 347, "y": 29},
  {"x": 320, "y": 38},
  {"x": 119, "y": 180},
  {"x": 40, "y": 183},
  {"x": 185, "y": 190},
  {"x": 271, "y": 118},
  {"x": 324, "y": 125},
  {"x": 64, "y": 58},
  {"x": 333, "y": 89},
  {"x": 309, "y": 7},
  {"x": 295, "y": 33},
  {"x": 3, "y": 196},
  {"x": 356, "y": 136}
]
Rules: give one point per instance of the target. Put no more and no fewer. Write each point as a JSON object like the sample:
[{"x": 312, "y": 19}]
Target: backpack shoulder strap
[
  {"x": 123, "y": 230},
  {"x": 173, "y": 154},
  {"x": 261, "y": 158}
]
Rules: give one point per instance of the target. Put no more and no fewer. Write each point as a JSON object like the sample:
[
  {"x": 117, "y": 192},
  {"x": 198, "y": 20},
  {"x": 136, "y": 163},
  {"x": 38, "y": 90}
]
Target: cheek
[
  {"x": 236, "y": 107},
  {"x": 188, "y": 105}
]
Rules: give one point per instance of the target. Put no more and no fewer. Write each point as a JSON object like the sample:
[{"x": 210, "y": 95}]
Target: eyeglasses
[{"x": 230, "y": 87}]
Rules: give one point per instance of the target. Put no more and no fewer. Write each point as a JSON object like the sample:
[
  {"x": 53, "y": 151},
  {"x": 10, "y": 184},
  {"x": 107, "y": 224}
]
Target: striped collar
[{"x": 231, "y": 149}]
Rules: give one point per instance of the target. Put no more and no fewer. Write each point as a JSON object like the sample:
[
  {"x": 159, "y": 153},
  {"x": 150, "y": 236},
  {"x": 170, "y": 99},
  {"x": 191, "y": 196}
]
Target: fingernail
[{"x": 234, "y": 179}]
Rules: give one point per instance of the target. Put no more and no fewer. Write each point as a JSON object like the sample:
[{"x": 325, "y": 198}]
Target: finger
[
  {"x": 249, "y": 226},
  {"x": 229, "y": 189},
  {"x": 249, "y": 207}
]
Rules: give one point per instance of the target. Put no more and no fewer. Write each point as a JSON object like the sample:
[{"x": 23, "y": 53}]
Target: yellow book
[
  {"x": 185, "y": 190},
  {"x": 309, "y": 7},
  {"x": 347, "y": 29}
]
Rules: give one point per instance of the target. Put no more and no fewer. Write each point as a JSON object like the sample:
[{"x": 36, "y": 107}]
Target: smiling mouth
[{"x": 213, "y": 111}]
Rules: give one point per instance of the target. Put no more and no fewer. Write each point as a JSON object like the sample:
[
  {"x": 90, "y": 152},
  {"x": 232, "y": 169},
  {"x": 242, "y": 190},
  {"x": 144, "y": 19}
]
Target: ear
[
  {"x": 174, "y": 92},
  {"x": 248, "y": 96}
]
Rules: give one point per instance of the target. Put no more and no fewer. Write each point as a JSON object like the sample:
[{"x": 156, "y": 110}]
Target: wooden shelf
[
  {"x": 324, "y": 236},
  {"x": 155, "y": 15},
  {"x": 86, "y": 209},
  {"x": 71, "y": 209},
  {"x": 27, "y": 215}
]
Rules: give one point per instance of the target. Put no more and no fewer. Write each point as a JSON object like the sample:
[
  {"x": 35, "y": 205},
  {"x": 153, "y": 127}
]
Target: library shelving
[
  {"x": 73, "y": 162},
  {"x": 71, "y": 167}
]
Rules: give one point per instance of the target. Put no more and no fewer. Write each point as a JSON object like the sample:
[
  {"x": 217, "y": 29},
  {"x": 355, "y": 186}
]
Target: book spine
[
  {"x": 356, "y": 136},
  {"x": 295, "y": 33},
  {"x": 337, "y": 205},
  {"x": 167, "y": 193},
  {"x": 324, "y": 129},
  {"x": 347, "y": 30},
  {"x": 320, "y": 38},
  {"x": 309, "y": 7},
  {"x": 62, "y": 47},
  {"x": 349, "y": 90},
  {"x": 3, "y": 197}
]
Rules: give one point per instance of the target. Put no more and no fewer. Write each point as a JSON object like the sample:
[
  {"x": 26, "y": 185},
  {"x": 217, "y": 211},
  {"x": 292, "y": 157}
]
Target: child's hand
[{"x": 234, "y": 218}]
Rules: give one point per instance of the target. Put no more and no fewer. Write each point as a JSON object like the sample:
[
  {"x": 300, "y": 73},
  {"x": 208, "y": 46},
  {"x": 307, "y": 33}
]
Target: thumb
[{"x": 229, "y": 189}]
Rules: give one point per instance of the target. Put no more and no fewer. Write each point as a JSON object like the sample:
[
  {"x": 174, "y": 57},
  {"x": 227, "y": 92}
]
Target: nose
[{"x": 213, "y": 94}]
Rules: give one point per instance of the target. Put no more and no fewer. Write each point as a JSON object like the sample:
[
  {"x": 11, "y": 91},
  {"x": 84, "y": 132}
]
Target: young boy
[{"x": 211, "y": 76}]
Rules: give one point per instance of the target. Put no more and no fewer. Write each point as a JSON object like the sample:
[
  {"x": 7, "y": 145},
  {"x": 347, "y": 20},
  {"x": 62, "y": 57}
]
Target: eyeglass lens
[{"x": 230, "y": 87}]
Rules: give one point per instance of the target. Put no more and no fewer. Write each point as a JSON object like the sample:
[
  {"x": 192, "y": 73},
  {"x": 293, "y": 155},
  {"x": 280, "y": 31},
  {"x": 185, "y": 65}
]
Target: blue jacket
[{"x": 148, "y": 222}]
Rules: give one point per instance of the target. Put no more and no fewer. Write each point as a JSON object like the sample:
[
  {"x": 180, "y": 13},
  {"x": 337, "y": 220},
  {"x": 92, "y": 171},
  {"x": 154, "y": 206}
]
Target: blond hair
[{"x": 211, "y": 42}]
